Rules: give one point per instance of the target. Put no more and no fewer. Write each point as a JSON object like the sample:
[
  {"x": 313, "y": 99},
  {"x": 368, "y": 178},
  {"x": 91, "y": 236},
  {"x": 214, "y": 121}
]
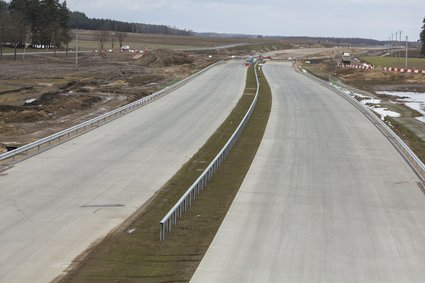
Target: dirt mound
[
  {"x": 367, "y": 75},
  {"x": 145, "y": 79},
  {"x": 164, "y": 58}
]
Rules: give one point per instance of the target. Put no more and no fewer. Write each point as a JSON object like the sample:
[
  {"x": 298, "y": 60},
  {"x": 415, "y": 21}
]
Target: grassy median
[{"x": 140, "y": 256}]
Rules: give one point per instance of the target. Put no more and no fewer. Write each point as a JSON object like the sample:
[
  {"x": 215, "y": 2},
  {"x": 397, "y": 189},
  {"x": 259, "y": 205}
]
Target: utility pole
[
  {"x": 399, "y": 51},
  {"x": 391, "y": 42},
  {"x": 76, "y": 50},
  {"x": 394, "y": 44},
  {"x": 407, "y": 48}
]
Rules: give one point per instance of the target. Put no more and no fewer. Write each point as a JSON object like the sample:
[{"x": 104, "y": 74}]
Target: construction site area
[
  {"x": 41, "y": 94},
  {"x": 44, "y": 92}
]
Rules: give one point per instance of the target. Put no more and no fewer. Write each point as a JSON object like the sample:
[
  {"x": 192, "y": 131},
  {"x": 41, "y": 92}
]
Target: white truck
[{"x": 346, "y": 58}]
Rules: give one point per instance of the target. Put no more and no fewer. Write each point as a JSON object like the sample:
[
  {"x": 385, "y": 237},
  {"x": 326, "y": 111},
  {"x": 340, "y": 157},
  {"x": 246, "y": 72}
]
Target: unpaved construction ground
[{"x": 42, "y": 95}]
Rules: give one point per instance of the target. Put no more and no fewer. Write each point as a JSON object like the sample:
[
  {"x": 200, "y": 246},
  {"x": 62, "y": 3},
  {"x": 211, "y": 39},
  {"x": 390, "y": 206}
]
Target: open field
[
  {"x": 140, "y": 256},
  {"x": 414, "y": 63},
  {"x": 20, "y": 50},
  {"x": 139, "y": 41}
]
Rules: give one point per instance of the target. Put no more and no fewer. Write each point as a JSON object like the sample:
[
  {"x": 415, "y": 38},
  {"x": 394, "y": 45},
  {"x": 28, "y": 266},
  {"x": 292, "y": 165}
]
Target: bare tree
[
  {"x": 103, "y": 36},
  {"x": 113, "y": 39},
  {"x": 121, "y": 36},
  {"x": 4, "y": 24}
]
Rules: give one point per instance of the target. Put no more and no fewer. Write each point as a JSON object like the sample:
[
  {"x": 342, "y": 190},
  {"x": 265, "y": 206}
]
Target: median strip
[
  {"x": 190, "y": 195},
  {"x": 139, "y": 256}
]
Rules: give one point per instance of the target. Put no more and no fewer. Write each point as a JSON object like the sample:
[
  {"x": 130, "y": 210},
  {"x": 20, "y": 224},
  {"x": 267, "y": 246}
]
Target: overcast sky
[{"x": 376, "y": 19}]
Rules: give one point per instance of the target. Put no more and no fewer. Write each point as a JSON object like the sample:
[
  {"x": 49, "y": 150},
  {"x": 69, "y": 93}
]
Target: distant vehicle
[
  {"x": 346, "y": 58},
  {"x": 125, "y": 48}
]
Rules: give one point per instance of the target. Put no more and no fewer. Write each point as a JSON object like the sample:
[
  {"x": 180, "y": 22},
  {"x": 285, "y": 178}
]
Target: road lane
[
  {"x": 56, "y": 204},
  {"x": 327, "y": 199}
]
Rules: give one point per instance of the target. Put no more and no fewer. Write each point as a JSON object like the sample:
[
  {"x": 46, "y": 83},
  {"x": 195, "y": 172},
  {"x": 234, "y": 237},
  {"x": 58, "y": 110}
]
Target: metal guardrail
[
  {"x": 95, "y": 122},
  {"x": 416, "y": 164},
  {"x": 189, "y": 196}
]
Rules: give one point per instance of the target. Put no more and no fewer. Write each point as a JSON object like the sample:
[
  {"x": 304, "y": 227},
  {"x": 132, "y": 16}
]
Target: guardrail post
[{"x": 161, "y": 233}]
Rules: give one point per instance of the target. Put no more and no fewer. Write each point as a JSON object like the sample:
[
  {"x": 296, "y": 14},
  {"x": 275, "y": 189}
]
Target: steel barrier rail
[
  {"x": 96, "y": 121},
  {"x": 411, "y": 158},
  {"x": 189, "y": 196}
]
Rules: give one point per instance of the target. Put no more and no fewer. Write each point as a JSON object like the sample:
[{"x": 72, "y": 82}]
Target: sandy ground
[{"x": 45, "y": 94}]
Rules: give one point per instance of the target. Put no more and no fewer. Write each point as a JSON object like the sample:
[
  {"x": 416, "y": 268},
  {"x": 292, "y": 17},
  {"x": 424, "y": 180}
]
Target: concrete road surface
[
  {"x": 299, "y": 53},
  {"x": 54, "y": 205},
  {"x": 327, "y": 199}
]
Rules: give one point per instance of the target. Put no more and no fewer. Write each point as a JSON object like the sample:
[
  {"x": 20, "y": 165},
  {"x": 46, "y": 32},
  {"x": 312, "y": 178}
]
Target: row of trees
[
  {"x": 104, "y": 36},
  {"x": 47, "y": 24},
  {"x": 81, "y": 21},
  {"x": 39, "y": 22}
]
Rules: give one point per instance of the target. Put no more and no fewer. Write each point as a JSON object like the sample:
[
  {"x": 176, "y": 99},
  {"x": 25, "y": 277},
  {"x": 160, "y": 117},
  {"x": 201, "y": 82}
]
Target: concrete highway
[
  {"x": 327, "y": 199},
  {"x": 56, "y": 204},
  {"x": 300, "y": 53}
]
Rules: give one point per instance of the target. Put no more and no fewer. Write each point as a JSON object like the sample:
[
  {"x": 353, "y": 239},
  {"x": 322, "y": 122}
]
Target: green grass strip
[
  {"x": 416, "y": 144},
  {"x": 417, "y": 63},
  {"x": 140, "y": 256}
]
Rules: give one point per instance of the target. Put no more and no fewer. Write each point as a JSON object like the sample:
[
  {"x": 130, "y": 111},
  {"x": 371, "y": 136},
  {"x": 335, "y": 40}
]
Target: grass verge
[
  {"x": 408, "y": 136},
  {"x": 140, "y": 256},
  {"x": 416, "y": 63}
]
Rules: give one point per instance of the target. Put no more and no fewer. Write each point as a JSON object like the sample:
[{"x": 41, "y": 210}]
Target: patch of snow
[
  {"x": 413, "y": 100},
  {"x": 29, "y": 101},
  {"x": 45, "y": 84},
  {"x": 385, "y": 112},
  {"x": 360, "y": 95},
  {"x": 370, "y": 101}
]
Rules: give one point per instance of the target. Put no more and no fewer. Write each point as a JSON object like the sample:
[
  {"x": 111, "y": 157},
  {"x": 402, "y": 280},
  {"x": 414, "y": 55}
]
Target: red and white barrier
[
  {"x": 363, "y": 67},
  {"x": 385, "y": 69},
  {"x": 403, "y": 70}
]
